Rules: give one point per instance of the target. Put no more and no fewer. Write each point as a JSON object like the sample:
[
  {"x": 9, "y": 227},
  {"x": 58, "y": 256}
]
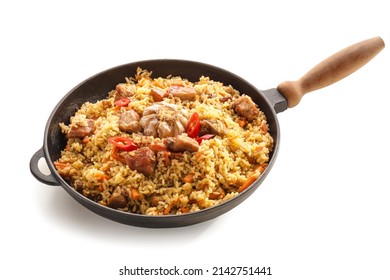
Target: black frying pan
[{"x": 271, "y": 102}]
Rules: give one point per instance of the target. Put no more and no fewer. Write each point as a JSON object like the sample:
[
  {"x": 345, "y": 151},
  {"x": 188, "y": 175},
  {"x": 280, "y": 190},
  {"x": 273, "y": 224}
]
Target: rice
[{"x": 180, "y": 182}]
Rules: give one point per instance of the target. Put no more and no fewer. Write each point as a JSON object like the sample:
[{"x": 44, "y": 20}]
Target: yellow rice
[{"x": 214, "y": 173}]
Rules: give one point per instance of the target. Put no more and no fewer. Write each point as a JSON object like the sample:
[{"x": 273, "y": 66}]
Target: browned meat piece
[
  {"x": 143, "y": 160},
  {"x": 117, "y": 201},
  {"x": 184, "y": 93},
  {"x": 157, "y": 94},
  {"x": 225, "y": 98},
  {"x": 129, "y": 121},
  {"x": 245, "y": 107},
  {"x": 182, "y": 143},
  {"x": 80, "y": 130},
  {"x": 124, "y": 90},
  {"x": 155, "y": 199},
  {"x": 215, "y": 127}
]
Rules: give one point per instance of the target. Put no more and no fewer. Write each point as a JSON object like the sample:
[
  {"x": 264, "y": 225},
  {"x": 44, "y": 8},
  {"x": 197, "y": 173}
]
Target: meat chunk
[
  {"x": 129, "y": 121},
  {"x": 246, "y": 108},
  {"x": 182, "y": 143},
  {"x": 124, "y": 90},
  {"x": 184, "y": 93},
  {"x": 143, "y": 160},
  {"x": 215, "y": 127},
  {"x": 157, "y": 94},
  {"x": 117, "y": 199},
  {"x": 80, "y": 129}
]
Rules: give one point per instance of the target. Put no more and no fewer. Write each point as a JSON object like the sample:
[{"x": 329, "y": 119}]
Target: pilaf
[{"x": 163, "y": 146}]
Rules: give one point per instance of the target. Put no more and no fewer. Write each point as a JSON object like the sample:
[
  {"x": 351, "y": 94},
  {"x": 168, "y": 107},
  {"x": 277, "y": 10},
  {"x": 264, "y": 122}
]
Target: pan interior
[{"x": 97, "y": 87}]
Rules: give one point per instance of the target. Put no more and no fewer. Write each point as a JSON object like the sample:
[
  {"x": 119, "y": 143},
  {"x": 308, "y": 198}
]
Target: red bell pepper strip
[
  {"x": 123, "y": 143},
  {"x": 204, "y": 137},
  {"x": 193, "y": 126}
]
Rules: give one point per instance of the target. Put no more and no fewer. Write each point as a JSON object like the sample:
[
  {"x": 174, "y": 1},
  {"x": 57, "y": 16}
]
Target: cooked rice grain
[{"x": 181, "y": 182}]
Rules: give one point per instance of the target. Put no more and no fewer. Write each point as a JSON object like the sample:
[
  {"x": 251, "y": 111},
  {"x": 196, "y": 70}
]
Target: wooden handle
[{"x": 331, "y": 70}]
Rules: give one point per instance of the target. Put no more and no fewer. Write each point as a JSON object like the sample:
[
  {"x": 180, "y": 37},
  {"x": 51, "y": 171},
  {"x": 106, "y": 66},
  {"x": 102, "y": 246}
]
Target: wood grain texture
[{"x": 331, "y": 70}]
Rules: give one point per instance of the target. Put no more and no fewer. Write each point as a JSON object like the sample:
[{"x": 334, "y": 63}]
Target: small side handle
[{"x": 34, "y": 168}]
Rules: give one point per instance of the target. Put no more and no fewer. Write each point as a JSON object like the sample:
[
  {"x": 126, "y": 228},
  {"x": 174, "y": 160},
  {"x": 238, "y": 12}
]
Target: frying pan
[{"x": 272, "y": 101}]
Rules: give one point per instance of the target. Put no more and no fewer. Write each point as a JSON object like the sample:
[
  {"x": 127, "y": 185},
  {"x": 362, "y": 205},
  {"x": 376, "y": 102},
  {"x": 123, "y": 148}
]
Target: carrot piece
[
  {"x": 264, "y": 127},
  {"x": 189, "y": 178},
  {"x": 252, "y": 178},
  {"x": 60, "y": 165},
  {"x": 247, "y": 183},
  {"x": 101, "y": 176},
  {"x": 242, "y": 122},
  {"x": 167, "y": 210},
  {"x": 198, "y": 155},
  {"x": 157, "y": 148},
  {"x": 214, "y": 195},
  {"x": 135, "y": 194},
  {"x": 86, "y": 139}
]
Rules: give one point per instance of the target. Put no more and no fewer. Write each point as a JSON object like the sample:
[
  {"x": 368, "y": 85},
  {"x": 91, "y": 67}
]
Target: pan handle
[
  {"x": 34, "y": 168},
  {"x": 331, "y": 70}
]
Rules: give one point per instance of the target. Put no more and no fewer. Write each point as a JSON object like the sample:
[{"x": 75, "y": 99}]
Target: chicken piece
[
  {"x": 182, "y": 143},
  {"x": 123, "y": 90},
  {"x": 215, "y": 127},
  {"x": 163, "y": 120},
  {"x": 143, "y": 160},
  {"x": 184, "y": 93},
  {"x": 80, "y": 128},
  {"x": 157, "y": 94},
  {"x": 129, "y": 121},
  {"x": 246, "y": 108}
]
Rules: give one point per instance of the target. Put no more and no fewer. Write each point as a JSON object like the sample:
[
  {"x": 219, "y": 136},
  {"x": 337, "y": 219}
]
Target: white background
[{"x": 322, "y": 213}]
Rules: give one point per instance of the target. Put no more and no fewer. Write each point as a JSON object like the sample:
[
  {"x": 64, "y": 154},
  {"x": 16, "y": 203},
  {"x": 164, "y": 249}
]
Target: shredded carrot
[
  {"x": 167, "y": 210},
  {"x": 247, "y": 183},
  {"x": 252, "y": 177},
  {"x": 242, "y": 122},
  {"x": 261, "y": 167},
  {"x": 85, "y": 139},
  {"x": 115, "y": 155},
  {"x": 60, "y": 165},
  {"x": 184, "y": 210},
  {"x": 198, "y": 155},
  {"x": 135, "y": 194},
  {"x": 214, "y": 195},
  {"x": 157, "y": 148},
  {"x": 264, "y": 127},
  {"x": 189, "y": 178},
  {"x": 101, "y": 176}
]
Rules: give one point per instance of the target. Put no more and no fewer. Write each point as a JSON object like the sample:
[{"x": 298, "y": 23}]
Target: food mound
[{"x": 164, "y": 146}]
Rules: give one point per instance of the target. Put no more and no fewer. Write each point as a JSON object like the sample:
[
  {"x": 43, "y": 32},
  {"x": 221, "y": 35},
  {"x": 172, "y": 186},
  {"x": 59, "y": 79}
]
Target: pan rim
[{"x": 162, "y": 221}]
